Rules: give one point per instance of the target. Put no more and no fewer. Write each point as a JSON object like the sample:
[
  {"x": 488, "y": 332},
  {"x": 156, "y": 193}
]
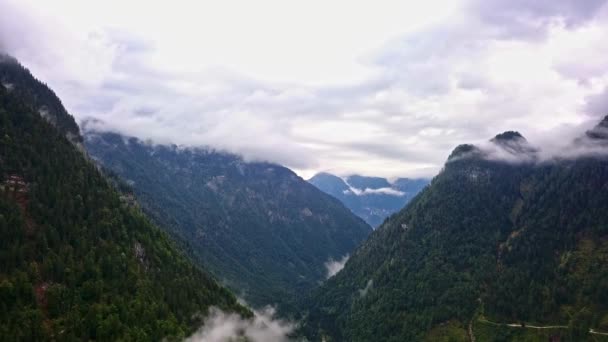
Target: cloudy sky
[{"x": 379, "y": 87}]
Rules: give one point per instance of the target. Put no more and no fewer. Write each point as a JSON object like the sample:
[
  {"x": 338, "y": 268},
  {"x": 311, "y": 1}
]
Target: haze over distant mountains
[{"x": 371, "y": 198}]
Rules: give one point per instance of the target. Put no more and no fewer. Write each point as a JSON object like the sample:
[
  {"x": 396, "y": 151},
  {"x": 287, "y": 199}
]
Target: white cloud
[
  {"x": 384, "y": 191},
  {"x": 384, "y": 88},
  {"x": 363, "y": 292},
  {"x": 335, "y": 266},
  {"x": 573, "y": 143},
  {"x": 263, "y": 327}
]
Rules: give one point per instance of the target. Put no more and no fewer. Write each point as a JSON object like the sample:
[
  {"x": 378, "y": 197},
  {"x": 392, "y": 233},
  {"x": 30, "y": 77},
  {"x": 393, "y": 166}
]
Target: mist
[
  {"x": 263, "y": 327},
  {"x": 335, "y": 266},
  {"x": 568, "y": 142}
]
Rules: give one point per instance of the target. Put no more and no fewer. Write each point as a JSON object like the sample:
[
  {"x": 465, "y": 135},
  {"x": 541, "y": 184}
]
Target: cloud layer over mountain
[{"x": 385, "y": 88}]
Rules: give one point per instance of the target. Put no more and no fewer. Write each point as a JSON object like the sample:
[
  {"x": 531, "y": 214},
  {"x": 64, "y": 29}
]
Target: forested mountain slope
[
  {"x": 258, "y": 227},
  {"x": 19, "y": 82},
  {"x": 371, "y": 198},
  {"x": 499, "y": 236},
  {"x": 76, "y": 261}
]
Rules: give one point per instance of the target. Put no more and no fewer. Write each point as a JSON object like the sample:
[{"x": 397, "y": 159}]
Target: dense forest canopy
[
  {"x": 258, "y": 227},
  {"x": 77, "y": 261},
  {"x": 489, "y": 240}
]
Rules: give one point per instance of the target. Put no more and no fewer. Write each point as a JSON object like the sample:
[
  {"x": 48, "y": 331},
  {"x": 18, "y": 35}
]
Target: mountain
[
  {"x": 491, "y": 242},
  {"x": 371, "y": 198},
  {"x": 77, "y": 262},
  {"x": 19, "y": 82},
  {"x": 599, "y": 132},
  {"x": 257, "y": 226},
  {"x": 362, "y": 182}
]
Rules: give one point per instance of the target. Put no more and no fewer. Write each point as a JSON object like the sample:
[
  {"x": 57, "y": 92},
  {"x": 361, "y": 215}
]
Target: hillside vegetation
[
  {"x": 77, "y": 261},
  {"x": 510, "y": 241}
]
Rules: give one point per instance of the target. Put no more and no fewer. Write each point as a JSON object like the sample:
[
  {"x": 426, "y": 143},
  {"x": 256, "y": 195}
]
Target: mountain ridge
[
  {"x": 38, "y": 96},
  {"x": 489, "y": 239},
  {"x": 257, "y": 226},
  {"x": 77, "y": 261}
]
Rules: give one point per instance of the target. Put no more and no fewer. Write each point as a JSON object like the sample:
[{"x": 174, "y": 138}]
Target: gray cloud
[
  {"x": 597, "y": 104},
  {"x": 531, "y": 19},
  {"x": 428, "y": 90},
  {"x": 567, "y": 142}
]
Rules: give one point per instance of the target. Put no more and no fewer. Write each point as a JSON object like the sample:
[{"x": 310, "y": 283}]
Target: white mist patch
[
  {"x": 8, "y": 86},
  {"x": 221, "y": 327},
  {"x": 368, "y": 191},
  {"x": 335, "y": 266},
  {"x": 384, "y": 191},
  {"x": 363, "y": 292}
]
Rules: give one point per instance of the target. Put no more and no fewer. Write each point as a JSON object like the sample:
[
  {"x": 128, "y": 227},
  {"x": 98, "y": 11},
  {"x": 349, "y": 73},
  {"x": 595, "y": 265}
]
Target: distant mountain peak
[
  {"x": 600, "y": 131},
  {"x": 38, "y": 96},
  {"x": 507, "y": 146},
  {"x": 325, "y": 175},
  {"x": 463, "y": 151},
  {"x": 508, "y": 136},
  {"x": 371, "y": 198},
  {"x": 365, "y": 182},
  {"x": 5, "y": 58},
  {"x": 514, "y": 143}
]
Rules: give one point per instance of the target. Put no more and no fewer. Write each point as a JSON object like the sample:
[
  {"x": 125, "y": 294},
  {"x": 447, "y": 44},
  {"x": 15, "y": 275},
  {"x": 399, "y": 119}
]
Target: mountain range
[
  {"x": 501, "y": 238},
  {"x": 258, "y": 227},
  {"x": 107, "y": 237},
  {"x": 371, "y": 198}
]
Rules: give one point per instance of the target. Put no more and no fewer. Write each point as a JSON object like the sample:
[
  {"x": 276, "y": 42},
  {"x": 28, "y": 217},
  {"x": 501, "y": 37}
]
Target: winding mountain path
[
  {"x": 519, "y": 325},
  {"x": 592, "y": 331}
]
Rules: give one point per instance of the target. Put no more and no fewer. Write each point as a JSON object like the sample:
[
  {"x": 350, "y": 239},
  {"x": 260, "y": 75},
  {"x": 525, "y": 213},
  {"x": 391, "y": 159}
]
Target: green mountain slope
[
  {"x": 261, "y": 229},
  {"x": 488, "y": 240},
  {"x": 76, "y": 261}
]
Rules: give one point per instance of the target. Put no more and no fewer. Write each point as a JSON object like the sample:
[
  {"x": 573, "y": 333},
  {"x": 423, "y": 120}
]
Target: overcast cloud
[{"x": 384, "y": 88}]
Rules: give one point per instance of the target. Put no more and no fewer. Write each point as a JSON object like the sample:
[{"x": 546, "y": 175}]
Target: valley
[
  {"x": 371, "y": 198},
  {"x": 489, "y": 228},
  {"x": 304, "y": 171}
]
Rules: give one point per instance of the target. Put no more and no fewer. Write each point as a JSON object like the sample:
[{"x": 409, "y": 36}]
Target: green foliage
[
  {"x": 487, "y": 332},
  {"x": 523, "y": 242},
  {"x": 450, "y": 331},
  {"x": 76, "y": 262},
  {"x": 258, "y": 227},
  {"x": 37, "y": 96}
]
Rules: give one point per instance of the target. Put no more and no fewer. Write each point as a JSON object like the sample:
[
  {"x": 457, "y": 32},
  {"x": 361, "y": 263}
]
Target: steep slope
[
  {"x": 488, "y": 240},
  {"x": 260, "y": 228},
  {"x": 76, "y": 262},
  {"x": 371, "y": 198},
  {"x": 19, "y": 82}
]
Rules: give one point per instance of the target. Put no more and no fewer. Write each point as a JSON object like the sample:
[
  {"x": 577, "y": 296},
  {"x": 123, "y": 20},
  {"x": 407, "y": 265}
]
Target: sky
[{"x": 380, "y": 88}]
